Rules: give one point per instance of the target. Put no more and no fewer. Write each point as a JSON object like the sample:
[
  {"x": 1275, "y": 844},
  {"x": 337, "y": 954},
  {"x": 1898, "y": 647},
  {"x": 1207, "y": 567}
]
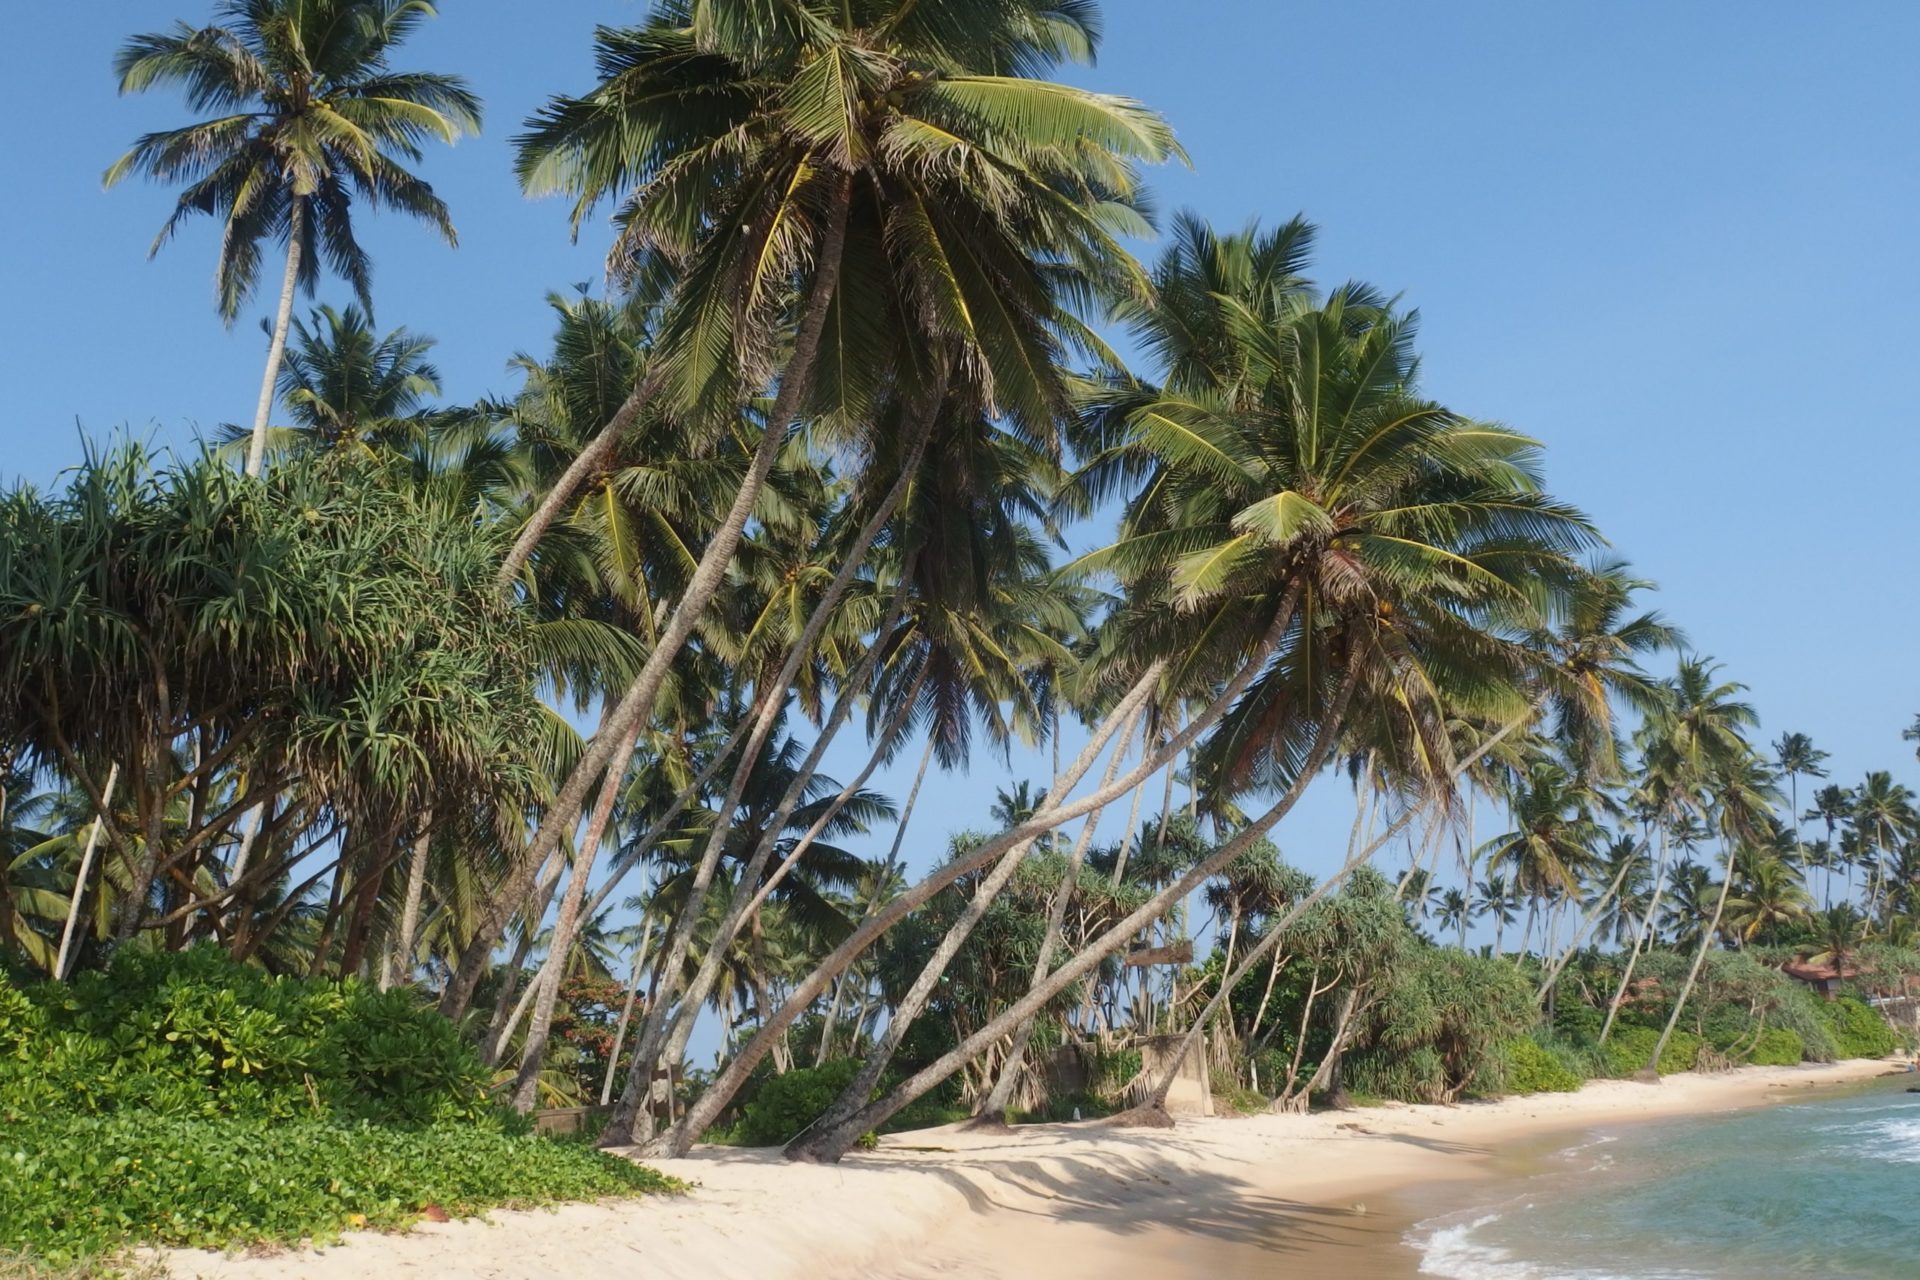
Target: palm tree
[
  {"x": 1838, "y": 934},
  {"x": 1744, "y": 793},
  {"x": 1883, "y": 817},
  {"x": 1795, "y": 755},
  {"x": 347, "y": 387},
  {"x": 1769, "y": 896},
  {"x": 1284, "y": 501},
  {"x": 310, "y": 116},
  {"x": 1455, "y": 911},
  {"x": 970, "y": 205},
  {"x": 1551, "y": 848},
  {"x": 1495, "y": 897}
]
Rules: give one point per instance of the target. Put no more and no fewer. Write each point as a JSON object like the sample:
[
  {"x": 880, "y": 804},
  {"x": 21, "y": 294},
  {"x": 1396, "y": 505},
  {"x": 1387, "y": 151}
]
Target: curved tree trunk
[
  {"x": 720, "y": 1093},
  {"x": 276, "y": 347},
  {"x": 594, "y": 457},
  {"x": 1640, "y": 938},
  {"x": 416, "y": 889},
  {"x": 1707, "y": 940},
  {"x": 826, "y": 1144},
  {"x": 602, "y": 755},
  {"x": 526, "y": 1084},
  {"x": 80, "y": 878},
  {"x": 1579, "y": 935},
  {"x": 656, "y": 1029},
  {"x": 755, "y": 886},
  {"x": 994, "y": 1110},
  {"x": 626, "y": 1008}
]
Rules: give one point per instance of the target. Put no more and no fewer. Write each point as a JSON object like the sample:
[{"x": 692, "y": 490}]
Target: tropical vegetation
[{"x": 395, "y": 766}]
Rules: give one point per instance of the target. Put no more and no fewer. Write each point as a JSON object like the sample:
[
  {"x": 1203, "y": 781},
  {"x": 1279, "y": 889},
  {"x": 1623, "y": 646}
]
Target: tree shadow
[{"x": 1127, "y": 1188}]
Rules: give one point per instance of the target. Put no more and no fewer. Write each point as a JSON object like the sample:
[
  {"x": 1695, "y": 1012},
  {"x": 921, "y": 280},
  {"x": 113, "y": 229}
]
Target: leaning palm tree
[
  {"x": 1744, "y": 794},
  {"x": 917, "y": 211},
  {"x": 310, "y": 117}
]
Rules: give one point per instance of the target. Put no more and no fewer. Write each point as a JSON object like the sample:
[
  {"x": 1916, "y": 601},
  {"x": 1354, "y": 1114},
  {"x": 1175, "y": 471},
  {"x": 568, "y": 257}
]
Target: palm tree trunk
[
  {"x": 80, "y": 880},
  {"x": 594, "y": 457},
  {"x": 403, "y": 945},
  {"x": 526, "y": 1084},
  {"x": 1693, "y": 974},
  {"x": 1586, "y": 922},
  {"x": 626, "y": 1008},
  {"x": 603, "y": 755},
  {"x": 296, "y": 232},
  {"x": 828, "y": 1144},
  {"x": 655, "y": 1029},
  {"x": 720, "y": 1093},
  {"x": 906, "y": 811},
  {"x": 995, "y": 1108},
  {"x": 821, "y": 1145}
]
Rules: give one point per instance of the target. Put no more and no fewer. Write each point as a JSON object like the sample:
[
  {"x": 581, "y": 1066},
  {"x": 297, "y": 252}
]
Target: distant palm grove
[{"x": 501, "y": 727}]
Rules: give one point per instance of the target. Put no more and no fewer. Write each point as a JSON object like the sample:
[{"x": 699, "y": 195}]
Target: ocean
[{"x": 1826, "y": 1188}]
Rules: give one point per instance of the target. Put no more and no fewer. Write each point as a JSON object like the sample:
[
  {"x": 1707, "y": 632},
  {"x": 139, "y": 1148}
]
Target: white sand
[{"x": 1062, "y": 1201}]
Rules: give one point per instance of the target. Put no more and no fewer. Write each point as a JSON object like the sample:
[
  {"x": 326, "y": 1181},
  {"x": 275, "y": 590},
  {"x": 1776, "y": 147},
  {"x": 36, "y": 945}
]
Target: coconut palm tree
[
  {"x": 1494, "y": 897},
  {"x": 345, "y": 386},
  {"x": 1286, "y": 501},
  {"x": 1882, "y": 818},
  {"x": 1795, "y": 756},
  {"x": 1769, "y": 896},
  {"x": 1838, "y": 934},
  {"x": 1455, "y": 911},
  {"x": 1552, "y": 846},
  {"x": 906, "y": 138},
  {"x": 309, "y": 115},
  {"x": 1744, "y": 793}
]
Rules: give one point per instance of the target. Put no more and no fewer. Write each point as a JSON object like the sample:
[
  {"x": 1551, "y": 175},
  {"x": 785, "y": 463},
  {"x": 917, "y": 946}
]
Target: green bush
[
  {"x": 80, "y": 1186},
  {"x": 192, "y": 1034},
  {"x": 1532, "y": 1068},
  {"x": 1777, "y": 1047},
  {"x": 1628, "y": 1049},
  {"x": 1857, "y": 1031},
  {"x": 787, "y": 1105}
]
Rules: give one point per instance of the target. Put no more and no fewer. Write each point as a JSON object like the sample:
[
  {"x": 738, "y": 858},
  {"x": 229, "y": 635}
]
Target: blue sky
[{"x": 1674, "y": 242}]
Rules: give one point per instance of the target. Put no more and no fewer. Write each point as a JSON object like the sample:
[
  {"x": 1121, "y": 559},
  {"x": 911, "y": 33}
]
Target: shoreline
[{"x": 1331, "y": 1193}]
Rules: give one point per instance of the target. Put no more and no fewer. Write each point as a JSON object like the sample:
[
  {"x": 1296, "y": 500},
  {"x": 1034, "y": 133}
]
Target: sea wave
[
  {"x": 1451, "y": 1251},
  {"x": 1896, "y": 1140}
]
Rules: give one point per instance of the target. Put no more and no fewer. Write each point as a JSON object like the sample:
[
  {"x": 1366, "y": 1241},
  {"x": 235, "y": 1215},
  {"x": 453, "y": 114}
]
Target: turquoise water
[{"x": 1826, "y": 1188}]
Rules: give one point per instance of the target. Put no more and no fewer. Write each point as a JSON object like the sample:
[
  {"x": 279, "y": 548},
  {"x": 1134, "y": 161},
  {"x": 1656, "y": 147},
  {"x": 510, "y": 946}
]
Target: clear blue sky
[{"x": 1675, "y": 242}]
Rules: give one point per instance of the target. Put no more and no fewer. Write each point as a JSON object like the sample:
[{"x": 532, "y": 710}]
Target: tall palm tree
[
  {"x": 1455, "y": 911},
  {"x": 1551, "y": 848},
  {"x": 1795, "y": 756},
  {"x": 346, "y": 386},
  {"x": 1495, "y": 897},
  {"x": 1883, "y": 817},
  {"x": 907, "y": 139},
  {"x": 309, "y": 115}
]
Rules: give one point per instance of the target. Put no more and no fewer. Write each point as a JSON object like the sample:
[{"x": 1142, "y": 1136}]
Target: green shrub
[
  {"x": 1532, "y": 1068},
  {"x": 79, "y": 1186},
  {"x": 1777, "y": 1047},
  {"x": 192, "y": 1034},
  {"x": 1628, "y": 1049},
  {"x": 1857, "y": 1031},
  {"x": 1113, "y": 1070},
  {"x": 787, "y": 1105}
]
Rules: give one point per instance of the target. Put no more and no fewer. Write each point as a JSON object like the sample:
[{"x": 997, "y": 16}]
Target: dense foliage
[
  {"x": 193, "y": 1035},
  {"x": 83, "y": 1185},
  {"x": 286, "y": 750}
]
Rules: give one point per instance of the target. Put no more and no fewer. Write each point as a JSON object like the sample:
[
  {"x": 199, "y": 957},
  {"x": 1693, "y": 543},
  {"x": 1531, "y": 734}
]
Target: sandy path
[{"x": 1064, "y": 1201}]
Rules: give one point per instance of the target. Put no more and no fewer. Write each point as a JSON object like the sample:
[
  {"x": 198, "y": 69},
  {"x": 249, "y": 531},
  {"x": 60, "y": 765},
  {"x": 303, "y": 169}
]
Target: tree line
[{"x": 312, "y": 693}]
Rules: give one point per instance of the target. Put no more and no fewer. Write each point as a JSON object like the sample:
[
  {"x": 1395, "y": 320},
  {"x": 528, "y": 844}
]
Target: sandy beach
[{"x": 1330, "y": 1194}]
